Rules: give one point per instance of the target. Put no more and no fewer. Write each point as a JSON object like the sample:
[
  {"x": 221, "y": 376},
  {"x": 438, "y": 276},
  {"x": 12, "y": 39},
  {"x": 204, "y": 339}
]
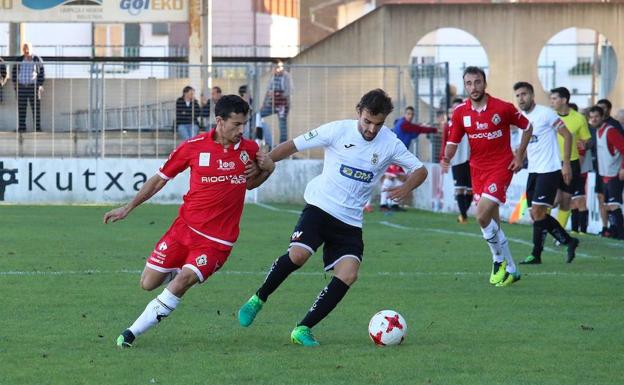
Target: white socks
[
  {"x": 498, "y": 244},
  {"x": 156, "y": 310},
  {"x": 491, "y": 235},
  {"x": 388, "y": 183}
]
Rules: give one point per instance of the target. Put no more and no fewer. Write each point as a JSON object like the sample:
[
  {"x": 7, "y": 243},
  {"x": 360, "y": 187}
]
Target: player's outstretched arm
[
  {"x": 415, "y": 179},
  {"x": 516, "y": 163},
  {"x": 283, "y": 151},
  {"x": 265, "y": 166},
  {"x": 151, "y": 187}
]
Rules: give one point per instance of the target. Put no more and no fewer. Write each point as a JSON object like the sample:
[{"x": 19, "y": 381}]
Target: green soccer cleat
[
  {"x": 498, "y": 272},
  {"x": 247, "y": 313},
  {"x": 125, "y": 339},
  {"x": 302, "y": 335},
  {"x": 531, "y": 260},
  {"x": 509, "y": 279}
]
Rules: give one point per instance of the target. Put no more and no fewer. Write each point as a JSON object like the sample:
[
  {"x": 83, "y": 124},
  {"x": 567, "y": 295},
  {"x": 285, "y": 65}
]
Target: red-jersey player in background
[
  {"x": 201, "y": 238},
  {"x": 487, "y": 120}
]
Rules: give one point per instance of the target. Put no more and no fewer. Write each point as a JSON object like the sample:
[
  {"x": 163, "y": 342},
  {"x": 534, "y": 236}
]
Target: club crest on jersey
[
  {"x": 356, "y": 174},
  {"x": 202, "y": 260},
  {"x": 310, "y": 134},
  {"x": 496, "y": 119},
  {"x": 244, "y": 157},
  {"x": 492, "y": 188},
  {"x": 375, "y": 158},
  {"x": 162, "y": 246},
  {"x": 467, "y": 122}
]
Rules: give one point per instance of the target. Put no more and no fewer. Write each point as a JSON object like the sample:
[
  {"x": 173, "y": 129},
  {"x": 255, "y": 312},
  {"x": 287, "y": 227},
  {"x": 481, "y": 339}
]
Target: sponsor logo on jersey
[
  {"x": 487, "y": 135},
  {"x": 296, "y": 235},
  {"x": 310, "y": 134},
  {"x": 482, "y": 126},
  {"x": 496, "y": 119},
  {"x": 233, "y": 179},
  {"x": 375, "y": 158},
  {"x": 202, "y": 260},
  {"x": 225, "y": 166},
  {"x": 244, "y": 157},
  {"x": 356, "y": 174},
  {"x": 467, "y": 122},
  {"x": 492, "y": 188},
  {"x": 204, "y": 159}
]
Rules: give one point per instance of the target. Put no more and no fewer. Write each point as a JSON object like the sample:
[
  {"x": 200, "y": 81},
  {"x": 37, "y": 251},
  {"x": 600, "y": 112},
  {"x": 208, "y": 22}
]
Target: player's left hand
[
  {"x": 516, "y": 164},
  {"x": 398, "y": 194},
  {"x": 251, "y": 170},
  {"x": 265, "y": 162}
]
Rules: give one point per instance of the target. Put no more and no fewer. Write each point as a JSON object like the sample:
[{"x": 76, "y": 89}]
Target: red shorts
[
  {"x": 491, "y": 184},
  {"x": 182, "y": 247}
]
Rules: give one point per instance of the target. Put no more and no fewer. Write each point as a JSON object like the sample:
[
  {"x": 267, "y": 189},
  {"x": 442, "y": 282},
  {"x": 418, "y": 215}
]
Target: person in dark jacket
[
  {"x": 28, "y": 76},
  {"x": 406, "y": 131},
  {"x": 187, "y": 114}
]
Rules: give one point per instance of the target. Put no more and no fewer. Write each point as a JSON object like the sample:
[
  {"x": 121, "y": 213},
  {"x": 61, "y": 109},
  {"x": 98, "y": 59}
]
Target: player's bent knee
[
  {"x": 183, "y": 281},
  {"x": 299, "y": 255},
  {"x": 348, "y": 277}
]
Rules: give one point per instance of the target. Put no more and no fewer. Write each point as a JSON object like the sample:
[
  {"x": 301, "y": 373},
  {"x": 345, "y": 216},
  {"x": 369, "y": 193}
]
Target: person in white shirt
[
  {"x": 357, "y": 152},
  {"x": 546, "y": 171}
]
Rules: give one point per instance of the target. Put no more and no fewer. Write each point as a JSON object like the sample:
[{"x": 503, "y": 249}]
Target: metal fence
[{"x": 115, "y": 110}]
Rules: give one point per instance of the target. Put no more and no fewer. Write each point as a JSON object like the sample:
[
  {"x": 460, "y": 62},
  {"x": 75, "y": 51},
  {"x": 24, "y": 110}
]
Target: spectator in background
[
  {"x": 277, "y": 99},
  {"x": 606, "y": 106},
  {"x": 407, "y": 131},
  {"x": 187, "y": 114},
  {"x": 204, "y": 113},
  {"x": 243, "y": 92},
  {"x": 610, "y": 146},
  {"x": 3, "y": 79},
  {"x": 215, "y": 94},
  {"x": 28, "y": 76},
  {"x": 263, "y": 135}
]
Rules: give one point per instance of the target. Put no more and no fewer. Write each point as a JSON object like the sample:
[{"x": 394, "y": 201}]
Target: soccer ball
[{"x": 387, "y": 328}]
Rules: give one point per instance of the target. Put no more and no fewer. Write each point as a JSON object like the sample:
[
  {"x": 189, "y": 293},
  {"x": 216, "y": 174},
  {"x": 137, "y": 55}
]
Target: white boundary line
[
  {"x": 450, "y": 232},
  {"x": 315, "y": 274}
]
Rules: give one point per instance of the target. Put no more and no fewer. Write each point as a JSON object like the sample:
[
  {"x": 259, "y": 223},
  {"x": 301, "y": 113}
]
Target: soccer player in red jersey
[
  {"x": 201, "y": 238},
  {"x": 487, "y": 120}
]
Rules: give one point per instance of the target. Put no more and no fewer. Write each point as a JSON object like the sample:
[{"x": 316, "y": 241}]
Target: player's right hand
[
  {"x": 116, "y": 215},
  {"x": 444, "y": 165},
  {"x": 265, "y": 162},
  {"x": 566, "y": 172}
]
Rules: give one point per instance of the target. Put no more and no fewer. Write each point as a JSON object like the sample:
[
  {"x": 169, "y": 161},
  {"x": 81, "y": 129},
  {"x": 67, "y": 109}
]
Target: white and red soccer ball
[{"x": 387, "y": 328}]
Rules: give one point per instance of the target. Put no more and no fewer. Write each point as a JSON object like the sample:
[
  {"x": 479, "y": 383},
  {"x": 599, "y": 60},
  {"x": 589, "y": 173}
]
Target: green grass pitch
[{"x": 69, "y": 286}]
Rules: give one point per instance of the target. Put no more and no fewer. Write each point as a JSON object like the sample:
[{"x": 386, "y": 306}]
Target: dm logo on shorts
[
  {"x": 202, "y": 260},
  {"x": 492, "y": 188},
  {"x": 356, "y": 174}
]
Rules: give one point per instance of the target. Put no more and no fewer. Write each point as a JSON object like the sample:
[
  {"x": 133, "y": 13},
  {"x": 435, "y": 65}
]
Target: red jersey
[
  {"x": 214, "y": 203},
  {"x": 488, "y": 131}
]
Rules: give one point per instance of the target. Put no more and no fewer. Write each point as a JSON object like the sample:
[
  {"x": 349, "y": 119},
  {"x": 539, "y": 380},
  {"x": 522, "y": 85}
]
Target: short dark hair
[
  {"x": 229, "y": 104},
  {"x": 597, "y": 109},
  {"x": 606, "y": 102},
  {"x": 573, "y": 106},
  {"x": 187, "y": 89},
  {"x": 376, "y": 102},
  {"x": 526, "y": 85},
  {"x": 562, "y": 92},
  {"x": 457, "y": 100},
  {"x": 409, "y": 108},
  {"x": 242, "y": 89},
  {"x": 474, "y": 70},
  {"x": 218, "y": 89}
]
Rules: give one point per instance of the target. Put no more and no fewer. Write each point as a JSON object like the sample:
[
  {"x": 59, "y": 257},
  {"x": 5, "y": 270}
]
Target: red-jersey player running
[
  {"x": 487, "y": 120},
  {"x": 200, "y": 239}
]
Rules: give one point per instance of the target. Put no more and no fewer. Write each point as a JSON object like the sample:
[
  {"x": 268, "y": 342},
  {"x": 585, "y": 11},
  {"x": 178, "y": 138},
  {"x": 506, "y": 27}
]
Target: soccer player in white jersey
[
  {"x": 545, "y": 171},
  {"x": 357, "y": 152}
]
